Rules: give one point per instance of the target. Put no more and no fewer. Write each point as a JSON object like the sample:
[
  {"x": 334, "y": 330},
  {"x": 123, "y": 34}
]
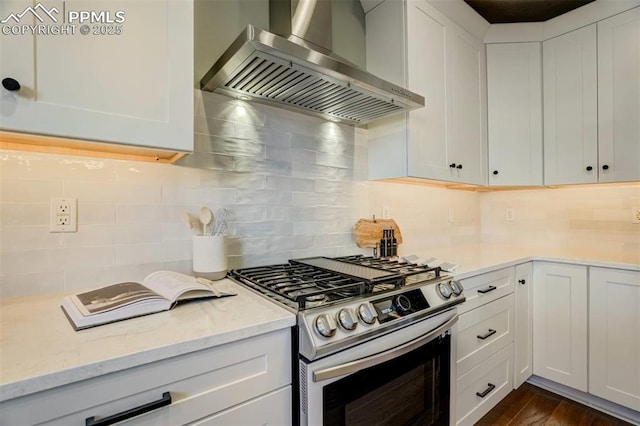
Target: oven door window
[{"x": 412, "y": 389}]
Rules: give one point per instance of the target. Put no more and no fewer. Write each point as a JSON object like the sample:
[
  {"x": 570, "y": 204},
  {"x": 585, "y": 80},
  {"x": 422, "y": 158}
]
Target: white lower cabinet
[
  {"x": 484, "y": 344},
  {"x": 271, "y": 409},
  {"x": 246, "y": 382},
  {"x": 479, "y": 390},
  {"x": 614, "y": 336},
  {"x": 523, "y": 329},
  {"x": 484, "y": 331},
  {"x": 560, "y": 323}
]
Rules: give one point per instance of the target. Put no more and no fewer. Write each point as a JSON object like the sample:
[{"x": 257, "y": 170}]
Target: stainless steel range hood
[{"x": 296, "y": 69}]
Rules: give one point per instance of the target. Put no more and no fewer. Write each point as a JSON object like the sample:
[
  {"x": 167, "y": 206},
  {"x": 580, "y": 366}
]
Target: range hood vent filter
[
  {"x": 280, "y": 72},
  {"x": 263, "y": 77}
]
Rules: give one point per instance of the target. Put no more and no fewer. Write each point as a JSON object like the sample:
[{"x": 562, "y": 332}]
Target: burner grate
[{"x": 304, "y": 285}]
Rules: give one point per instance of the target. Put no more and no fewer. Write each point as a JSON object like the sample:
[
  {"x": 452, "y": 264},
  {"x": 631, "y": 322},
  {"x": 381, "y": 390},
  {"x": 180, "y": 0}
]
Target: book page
[
  {"x": 112, "y": 297},
  {"x": 171, "y": 285}
]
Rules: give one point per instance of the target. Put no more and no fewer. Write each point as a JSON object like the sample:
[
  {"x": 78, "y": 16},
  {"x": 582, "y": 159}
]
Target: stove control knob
[
  {"x": 366, "y": 314},
  {"x": 444, "y": 289},
  {"x": 347, "y": 319},
  {"x": 402, "y": 303},
  {"x": 456, "y": 286},
  {"x": 325, "y": 325}
]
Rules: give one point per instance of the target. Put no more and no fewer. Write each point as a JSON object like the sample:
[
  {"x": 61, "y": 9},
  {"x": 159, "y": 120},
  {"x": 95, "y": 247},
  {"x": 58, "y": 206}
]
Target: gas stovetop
[
  {"x": 341, "y": 302},
  {"x": 319, "y": 281}
]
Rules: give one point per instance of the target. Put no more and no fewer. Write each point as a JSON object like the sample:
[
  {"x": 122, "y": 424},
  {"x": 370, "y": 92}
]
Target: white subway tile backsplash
[
  {"x": 284, "y": 183},
  {"x": 24, "y": 214},
  {"x": 198, "y": 195},
  {"x": 133, "y": 254},
  {"x": 228, "y": 146},
  {"x": 95, "y": 214},
  {"x": 29, "y": 284},
  {"x": 294, "y": 186},
  {"x": 112, "y": 193},
  {"x": 29, "y": 190},
  {"x": 54, "y": 260},
  {"x": 15, "y": 238}
]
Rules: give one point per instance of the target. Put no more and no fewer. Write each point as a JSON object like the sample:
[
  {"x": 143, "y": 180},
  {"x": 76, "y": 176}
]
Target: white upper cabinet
[
  {"x": 413, "y": 44},
  {"x": 570, "y": 108},
  {"x": 619, "y": 97},
  {"x": 127, "y": 82},
  {"x": 514, "y": 85}
]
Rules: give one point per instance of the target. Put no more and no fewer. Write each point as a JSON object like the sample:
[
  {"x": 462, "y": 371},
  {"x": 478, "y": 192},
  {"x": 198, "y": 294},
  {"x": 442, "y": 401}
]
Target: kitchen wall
[
  {"x": 594, "y": 217},
  {"x": 295, "y": 186}
]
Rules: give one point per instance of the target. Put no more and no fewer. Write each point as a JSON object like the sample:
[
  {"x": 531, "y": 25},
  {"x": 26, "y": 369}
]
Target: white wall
[
  {"x": 590, "y": 217},
  {"x": 295, "y": 185}
]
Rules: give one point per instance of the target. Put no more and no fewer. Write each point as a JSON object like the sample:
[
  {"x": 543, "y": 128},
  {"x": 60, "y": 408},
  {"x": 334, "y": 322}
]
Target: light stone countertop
[
  {"x": 39, "y": 349},
  {"x": 476, "y": 259}
]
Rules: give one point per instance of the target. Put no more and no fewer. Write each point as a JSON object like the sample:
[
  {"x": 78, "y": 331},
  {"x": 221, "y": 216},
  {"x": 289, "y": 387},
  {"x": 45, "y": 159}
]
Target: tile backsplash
[
  {"x": 295, "y": 186},
  {"x": 592, "y": 217}
]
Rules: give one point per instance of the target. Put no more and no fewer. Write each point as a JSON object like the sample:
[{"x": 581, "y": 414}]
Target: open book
[{"x": 159, "y": 291}]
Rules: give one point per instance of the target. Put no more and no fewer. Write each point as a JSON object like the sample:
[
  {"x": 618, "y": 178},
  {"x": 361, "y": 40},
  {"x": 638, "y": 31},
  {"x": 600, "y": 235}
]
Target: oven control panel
[{"x": 401, "y": 305}]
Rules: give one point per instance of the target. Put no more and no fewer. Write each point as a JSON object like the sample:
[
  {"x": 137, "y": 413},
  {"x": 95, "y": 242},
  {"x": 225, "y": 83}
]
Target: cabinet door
[
  {"x": 467, "y": 129},
  {"x": 619, "y": 97},
  {"x": 523, "y": 353},
  {"x": 426, "y": 55},
  {"x": 614, "y": 336},
  {"x": 127, "y": 82},
  {"x": 560, "y": 323},
  {"x": 514, "y": 87},
  {"x": 570, "y": 108}
]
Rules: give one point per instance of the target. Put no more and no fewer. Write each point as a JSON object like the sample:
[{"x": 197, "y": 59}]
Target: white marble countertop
[
  {"x": 480, "y": 258},
  {"x": 39, "y": 349}
]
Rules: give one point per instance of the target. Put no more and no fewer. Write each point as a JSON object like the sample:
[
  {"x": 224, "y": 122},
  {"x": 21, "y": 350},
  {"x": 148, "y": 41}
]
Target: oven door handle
[{"x": 361, "y": 364}]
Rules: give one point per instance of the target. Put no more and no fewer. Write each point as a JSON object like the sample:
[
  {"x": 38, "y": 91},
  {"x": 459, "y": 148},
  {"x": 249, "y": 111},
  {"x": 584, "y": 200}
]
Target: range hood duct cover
[{"x": 297, "y": 70}]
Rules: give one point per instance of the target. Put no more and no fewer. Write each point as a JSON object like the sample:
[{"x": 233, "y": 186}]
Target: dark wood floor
[{"x": 530, "y": 405}]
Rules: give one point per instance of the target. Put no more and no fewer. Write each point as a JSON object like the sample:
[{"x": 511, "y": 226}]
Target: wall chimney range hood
[{"x": 296, "y": 70}]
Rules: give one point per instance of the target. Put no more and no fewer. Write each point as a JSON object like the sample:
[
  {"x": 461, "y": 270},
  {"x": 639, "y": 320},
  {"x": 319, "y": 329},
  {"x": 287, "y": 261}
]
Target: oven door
[{"x": 400, "y": 378}]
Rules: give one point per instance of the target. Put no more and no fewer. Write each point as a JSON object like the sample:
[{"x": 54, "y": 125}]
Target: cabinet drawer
[
  {"x": 493, "y": 379},
  {"x": 201, "y": 383},
  {"x": 271, "y": 409},
  {"x": 484, "y": 331},
  {"x": 485, "y": 288}
]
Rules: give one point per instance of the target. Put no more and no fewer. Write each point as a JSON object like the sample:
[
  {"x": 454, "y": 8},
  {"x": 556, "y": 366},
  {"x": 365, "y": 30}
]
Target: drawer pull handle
[
  {"x": 489, "y": 334},
  {"x": 523, "y": 282},
  {"x": 127, "y": 414},
  {"x": 484, "y": 393},
  {"x": 487, "y": 290}
]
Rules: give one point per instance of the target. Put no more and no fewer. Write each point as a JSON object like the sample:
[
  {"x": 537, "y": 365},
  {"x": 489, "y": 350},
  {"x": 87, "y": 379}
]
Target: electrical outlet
[
  {"x": 635, "y": 215},
  {"x": 509, "y": 214},
  {"x": 63, "y": 215}
]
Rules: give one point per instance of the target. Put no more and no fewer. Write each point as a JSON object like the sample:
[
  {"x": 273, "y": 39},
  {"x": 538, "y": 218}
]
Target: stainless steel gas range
[{"x": 373, "y": 338}]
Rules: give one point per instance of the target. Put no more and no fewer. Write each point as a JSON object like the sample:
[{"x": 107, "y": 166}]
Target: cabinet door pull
[
  {"x": 11, "y": 84},
  {"x": 487, "y": 290},
  {"x": 127, "y": 414},
  {"x": 459, "y": 166},
  {"x": 452, "y": 165},
  {"x": 490, "y": 333},
  {"x": 605, "y": 167},
  {"x": 495, "y": 172},
  {"x": 485, "y": 392},
  {"x": 523, "y": 282},
  {"x": 589, "y": 168}
]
